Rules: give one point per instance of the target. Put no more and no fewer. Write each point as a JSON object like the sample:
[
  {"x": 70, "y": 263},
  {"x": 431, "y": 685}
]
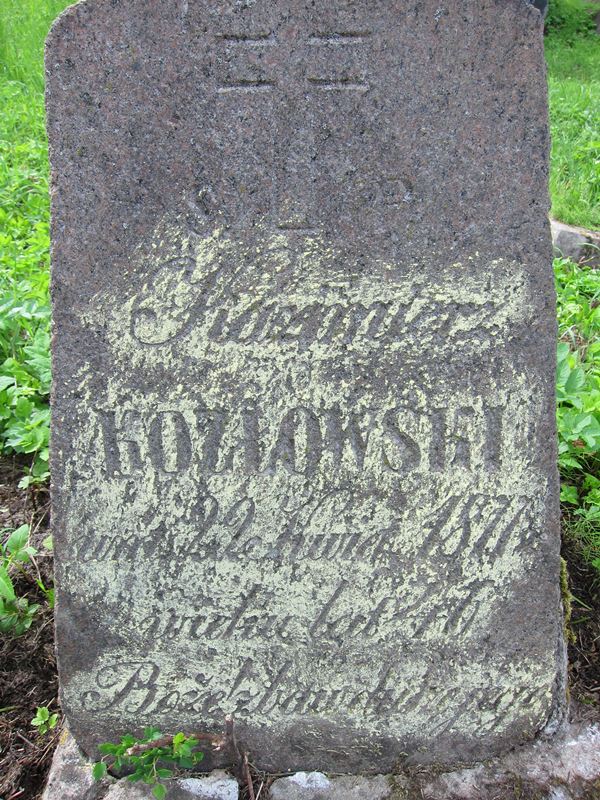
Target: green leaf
[
  {"x": 99, "y": 770},
  {"x": 591, "y": 482},
  {"x": 567, "y": 461},
  {"x": 7, "y": 590},
  {"x": 18, "y": 539},
  {"x": 164, "y": 773},
  {"x": 575, "y": 381},
  {"x": 43, "y": 721},
  {"x": 159, "y": 791},
  {"x": 108, "y": 748},
  {"x": 24, "y": 555},
  {"x": 563, "y": 370},
  {"x": 568, "y": 494},
  {"x": 562, "y": 351}
]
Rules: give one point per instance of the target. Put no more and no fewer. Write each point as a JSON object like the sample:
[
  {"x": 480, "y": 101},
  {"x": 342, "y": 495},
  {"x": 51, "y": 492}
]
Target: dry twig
[
  {"x": 216, "y": 741},
  {"x": 248, "y": 777}
]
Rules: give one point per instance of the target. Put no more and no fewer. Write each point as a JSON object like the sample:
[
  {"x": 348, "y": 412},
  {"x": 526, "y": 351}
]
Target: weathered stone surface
[
  {"x": 302, "y": 474},
  {"x": 216, "y": 786},
  {"x": 125, "y": 790},
  {"x": 70, "y": 776},
  {"x": 316, "y": 786},
  {"x": 300, "y": 785},
  {"x": 560, "y": 794},
  {"x": 578, "y": 244},
  {"x": 565, "y": 768}
]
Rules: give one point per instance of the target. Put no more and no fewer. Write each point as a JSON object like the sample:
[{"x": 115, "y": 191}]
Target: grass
[
  {"x": 24, "y": 236},
  {"x": 24, "y": 262},
  {"x": 573, "y": 57},
  {"x": 23, "y": 28}
]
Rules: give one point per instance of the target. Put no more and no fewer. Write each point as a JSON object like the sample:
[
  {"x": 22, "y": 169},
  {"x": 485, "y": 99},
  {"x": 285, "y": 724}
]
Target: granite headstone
[{"x": 303, "y": 444}]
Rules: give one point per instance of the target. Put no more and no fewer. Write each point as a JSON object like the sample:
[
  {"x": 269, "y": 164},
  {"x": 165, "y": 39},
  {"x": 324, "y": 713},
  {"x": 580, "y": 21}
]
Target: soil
[
  {"x": 28, "y": 665},
  {"x": 584, "y": 651}
]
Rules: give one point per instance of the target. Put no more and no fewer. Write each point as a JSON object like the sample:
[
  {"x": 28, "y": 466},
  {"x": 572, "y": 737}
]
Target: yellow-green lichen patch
[{"x": 315, "y": 486}]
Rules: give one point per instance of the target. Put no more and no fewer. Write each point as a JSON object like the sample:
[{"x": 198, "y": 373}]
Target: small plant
[
  {"x": 44, "y": 721},
  {"x": 578, "y": 396},
  {"x": 578, "y": 404},
  {"x": 148, "y": 757},
  {"x": 25, "y": 384},
  {"x": 17, "y": 613}
]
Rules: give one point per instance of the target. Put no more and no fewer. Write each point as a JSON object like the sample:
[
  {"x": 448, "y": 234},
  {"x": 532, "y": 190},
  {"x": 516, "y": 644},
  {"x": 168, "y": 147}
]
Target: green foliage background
[
  {"x": 24, "y": 262},
  {"x": 573, "y": 57},
  {"x": 24, "y": 233},
  {"x": 23, "y": 28}
]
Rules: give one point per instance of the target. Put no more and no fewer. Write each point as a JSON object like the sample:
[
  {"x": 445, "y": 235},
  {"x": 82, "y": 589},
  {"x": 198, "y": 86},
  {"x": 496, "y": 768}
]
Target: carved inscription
[
  {"x": 140, "y": 688},
  {"x": 258, "y": 63},
  {"x": 249, "y": 76},
  {"x": 215, "y": 530},
  {"x": 323, "y": 324},
  {"x": 277, "y": 524},
  {"x": 248, "y": 71},
  {"x": 300, "y": 440},
  {"x": 201, "y": 287}
]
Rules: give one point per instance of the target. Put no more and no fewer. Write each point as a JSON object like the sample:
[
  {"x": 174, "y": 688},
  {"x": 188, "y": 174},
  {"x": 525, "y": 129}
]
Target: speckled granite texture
[{"x": 303, "y": 473}]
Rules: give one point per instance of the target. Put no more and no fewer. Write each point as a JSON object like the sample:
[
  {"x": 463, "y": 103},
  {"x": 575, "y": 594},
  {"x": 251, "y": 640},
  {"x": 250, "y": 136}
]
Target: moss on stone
[{"x": 567, "y": 600}]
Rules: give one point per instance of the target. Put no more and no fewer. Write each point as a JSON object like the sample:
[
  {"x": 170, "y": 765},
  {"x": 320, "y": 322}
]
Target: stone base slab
[
  {"x": 578, "y": 244},
  {"x": 566, "y": 767}
]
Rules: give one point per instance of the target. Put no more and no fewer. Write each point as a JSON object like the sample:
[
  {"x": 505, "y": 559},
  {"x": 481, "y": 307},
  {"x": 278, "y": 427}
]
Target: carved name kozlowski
[{"x": 298, "y": 440}]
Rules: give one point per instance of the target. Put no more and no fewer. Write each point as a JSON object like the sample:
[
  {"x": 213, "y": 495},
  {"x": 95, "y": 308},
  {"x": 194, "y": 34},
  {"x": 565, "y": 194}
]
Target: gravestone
[{"x": 303, "y": 447}]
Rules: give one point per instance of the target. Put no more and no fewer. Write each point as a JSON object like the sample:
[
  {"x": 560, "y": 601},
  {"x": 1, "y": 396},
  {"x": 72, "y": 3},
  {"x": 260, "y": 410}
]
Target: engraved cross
[{"x": 263, "y": 63}]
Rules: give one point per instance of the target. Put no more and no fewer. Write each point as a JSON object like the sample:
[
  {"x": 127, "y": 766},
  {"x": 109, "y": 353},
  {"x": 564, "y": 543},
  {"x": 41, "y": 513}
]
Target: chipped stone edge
[
  {"x": 70, "y": 776},
  {"x": 566, "y": 767}
]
